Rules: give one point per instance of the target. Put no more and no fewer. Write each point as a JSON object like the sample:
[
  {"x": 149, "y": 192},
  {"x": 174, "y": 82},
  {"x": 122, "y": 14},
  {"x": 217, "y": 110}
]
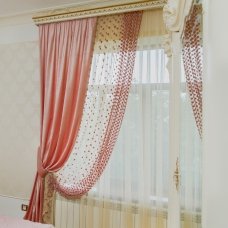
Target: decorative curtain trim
[
  {"x": 48, "y": 215},
  {"x": 192, "y": 58},
  {"x": 65, "y": 56},
  {"x": 98, "y": 9},
  {"x": 115, "y": 76}
]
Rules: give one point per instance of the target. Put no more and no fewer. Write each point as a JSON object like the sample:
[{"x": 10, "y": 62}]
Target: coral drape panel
[
  {"x": 65, "y": 57},
  {"x": 193, "y": 62}
]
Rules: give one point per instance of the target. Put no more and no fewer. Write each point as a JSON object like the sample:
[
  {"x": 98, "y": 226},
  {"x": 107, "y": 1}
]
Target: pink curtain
[
  {"x": 109, "y": 84},
  {"x": 65, "y": 57},
  {"x": 193, "y": 63}
]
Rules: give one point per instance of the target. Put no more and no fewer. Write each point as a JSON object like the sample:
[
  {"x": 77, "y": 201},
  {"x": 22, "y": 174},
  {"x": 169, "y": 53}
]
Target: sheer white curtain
[
  {"x": 190, "y": 163},
  {"x": 132, "y": 192},
  {"x": 138, "y": 170}
]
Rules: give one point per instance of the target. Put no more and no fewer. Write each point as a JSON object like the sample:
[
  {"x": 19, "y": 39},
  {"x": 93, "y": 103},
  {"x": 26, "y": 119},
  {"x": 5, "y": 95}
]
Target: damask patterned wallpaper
[{"x": 19, "y": 117}]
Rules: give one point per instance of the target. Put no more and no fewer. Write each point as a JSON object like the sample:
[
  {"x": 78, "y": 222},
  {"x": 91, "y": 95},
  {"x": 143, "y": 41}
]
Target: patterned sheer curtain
[
  {"x": 132, "y": 191},
  {"x": 193, "y": 62},
  {"x": 191, "y": 121}
]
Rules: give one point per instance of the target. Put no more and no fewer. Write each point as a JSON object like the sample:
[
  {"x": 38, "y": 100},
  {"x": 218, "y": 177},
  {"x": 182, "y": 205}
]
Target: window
[{"x": 138, "y": 169}]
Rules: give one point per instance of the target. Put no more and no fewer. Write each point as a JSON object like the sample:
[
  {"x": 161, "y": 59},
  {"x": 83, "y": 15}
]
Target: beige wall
[
  {"x": 19, "y": 107},
  {"x": 12, "y": 206},
  {"x": 215, "y": 115}
]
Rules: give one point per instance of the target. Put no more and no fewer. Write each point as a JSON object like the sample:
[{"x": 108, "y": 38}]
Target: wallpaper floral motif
[{"x": 19, "y": 117}]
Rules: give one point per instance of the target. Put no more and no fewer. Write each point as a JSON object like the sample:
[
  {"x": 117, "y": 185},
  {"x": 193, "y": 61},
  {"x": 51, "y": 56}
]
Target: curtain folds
[
  {"x": 193, "y": 65},
  {"x": 65, "y": 56},
  {"x": 109, "y": 84}
]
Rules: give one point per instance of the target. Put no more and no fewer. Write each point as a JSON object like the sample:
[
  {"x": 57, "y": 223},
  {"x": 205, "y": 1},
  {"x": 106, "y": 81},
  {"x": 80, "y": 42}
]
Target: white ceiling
[{"x": 14, "y": 7}]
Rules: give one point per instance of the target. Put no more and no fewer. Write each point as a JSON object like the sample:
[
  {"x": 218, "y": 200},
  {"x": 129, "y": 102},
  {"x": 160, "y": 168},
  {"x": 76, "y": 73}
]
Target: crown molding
[
  {"x": 96, "y": 9},
  {"x": 79, "y": 10},
  {"x": 13, "y": 20}
]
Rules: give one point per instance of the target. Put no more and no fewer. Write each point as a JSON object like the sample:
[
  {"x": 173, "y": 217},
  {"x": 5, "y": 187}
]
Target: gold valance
[{"x": 96, "y": 9}]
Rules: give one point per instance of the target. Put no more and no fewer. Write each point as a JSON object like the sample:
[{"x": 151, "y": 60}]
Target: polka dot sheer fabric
[
  {"x": 107, "y": 94},
  {"x": 193, "y": 63}
]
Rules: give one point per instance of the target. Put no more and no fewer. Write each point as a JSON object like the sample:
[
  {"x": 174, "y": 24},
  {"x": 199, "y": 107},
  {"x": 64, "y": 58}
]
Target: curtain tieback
[{"x": 41, "y": 171}]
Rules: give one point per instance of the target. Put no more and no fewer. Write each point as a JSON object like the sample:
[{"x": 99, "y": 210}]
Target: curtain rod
[{"x": 96, "y": 9}]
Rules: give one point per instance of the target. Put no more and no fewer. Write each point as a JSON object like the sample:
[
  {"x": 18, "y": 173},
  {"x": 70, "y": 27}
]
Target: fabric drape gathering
[
  {"x": 65, "y": 58},
  {"x": 192, "y": 58},
  {"x": 109, "y": 85},
  {"x": 190, "y": 164},
  {"x": 100, "y": 90},
  {"x": 66, "y": 53}
]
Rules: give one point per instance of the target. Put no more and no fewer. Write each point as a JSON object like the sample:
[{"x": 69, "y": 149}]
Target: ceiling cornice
[{"x": 19, "y": 19}]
